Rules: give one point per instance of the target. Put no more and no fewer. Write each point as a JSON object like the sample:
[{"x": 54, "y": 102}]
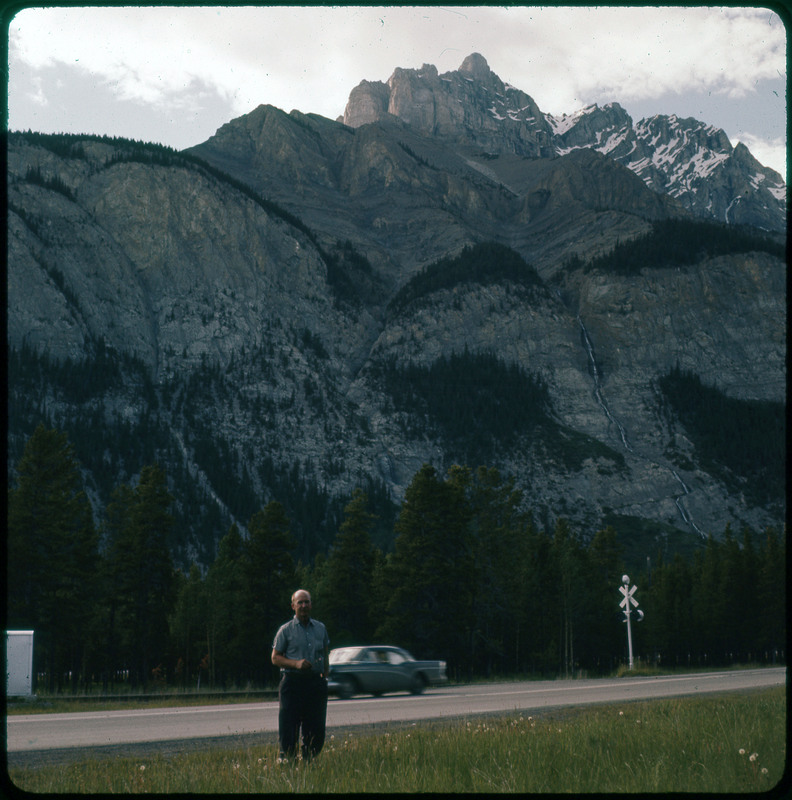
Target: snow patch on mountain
[{"x": 684, "y": 158}]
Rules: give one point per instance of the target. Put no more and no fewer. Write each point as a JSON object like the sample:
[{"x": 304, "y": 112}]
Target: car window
[
  {"x": 395, "y": 658},
  {"x": 342, "y": 655}
]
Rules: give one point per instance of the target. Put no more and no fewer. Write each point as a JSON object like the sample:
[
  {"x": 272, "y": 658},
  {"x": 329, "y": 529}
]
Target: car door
[
  {"x": 396, "y": 672},
  {"x": 378, "y": 678}
]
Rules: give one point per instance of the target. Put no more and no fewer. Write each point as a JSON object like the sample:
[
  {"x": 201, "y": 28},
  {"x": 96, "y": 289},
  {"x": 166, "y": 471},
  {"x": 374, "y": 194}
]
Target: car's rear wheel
[{"x": 346, "y": 687}]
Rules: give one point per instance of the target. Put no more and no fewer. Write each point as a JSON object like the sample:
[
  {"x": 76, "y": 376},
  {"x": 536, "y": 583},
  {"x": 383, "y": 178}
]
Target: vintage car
[{"x": 377, "y": 669}]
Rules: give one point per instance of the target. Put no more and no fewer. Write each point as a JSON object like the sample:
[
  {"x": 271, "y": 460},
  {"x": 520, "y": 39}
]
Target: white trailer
[{"x": 19, "y": 663}]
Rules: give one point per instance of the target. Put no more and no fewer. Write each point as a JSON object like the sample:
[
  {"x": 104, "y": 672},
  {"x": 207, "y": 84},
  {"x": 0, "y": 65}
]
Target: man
[{"x": 301, "y": 650}]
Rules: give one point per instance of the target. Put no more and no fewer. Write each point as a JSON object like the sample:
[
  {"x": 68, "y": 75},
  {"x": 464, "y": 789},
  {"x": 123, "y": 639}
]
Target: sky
[{"x": 174, "y": 75}]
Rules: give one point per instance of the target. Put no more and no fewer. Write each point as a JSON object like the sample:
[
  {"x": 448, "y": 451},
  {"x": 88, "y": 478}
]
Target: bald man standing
[{"x": 301, "y": 650}]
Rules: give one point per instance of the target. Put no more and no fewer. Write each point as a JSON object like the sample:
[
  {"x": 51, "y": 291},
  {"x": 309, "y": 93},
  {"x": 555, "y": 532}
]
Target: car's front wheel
[
  {"x": 346, "y": 687},
  {"x": 418, "y": 684}
]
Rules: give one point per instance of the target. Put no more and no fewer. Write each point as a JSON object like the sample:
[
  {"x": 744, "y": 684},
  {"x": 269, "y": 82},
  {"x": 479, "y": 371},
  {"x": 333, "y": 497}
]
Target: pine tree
[
  {"x": 225, "y": 587},
  {"x": 345, "y": 589},
  {"x": 141, "y": 572},
  {"x": 429, "y": 576},
  {"x": 52, "y": 554},
  {"x": 708, "y": 604},
  {"x": 270, "y": 576},
  {"x": 603, "y": 633},
  {"x": 570, "y": 592},
  {"x": 500, "y": 555},
  {"x": 188, "y": 627},
  {"x": 771, "y": 592},
  {"x": 668, "y": 625}
]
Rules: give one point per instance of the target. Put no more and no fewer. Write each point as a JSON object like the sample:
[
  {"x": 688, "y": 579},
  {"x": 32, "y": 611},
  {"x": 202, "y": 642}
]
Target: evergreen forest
[
  {"x": 680, "y": 243},
  {"x": 743, "y": 442},
  {"x": 484, "y": 264},
  {"x": 470, "y": 578}
]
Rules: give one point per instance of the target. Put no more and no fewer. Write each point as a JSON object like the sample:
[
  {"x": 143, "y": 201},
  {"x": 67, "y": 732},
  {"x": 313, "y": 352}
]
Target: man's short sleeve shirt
[{"x": 298, "y": 641}]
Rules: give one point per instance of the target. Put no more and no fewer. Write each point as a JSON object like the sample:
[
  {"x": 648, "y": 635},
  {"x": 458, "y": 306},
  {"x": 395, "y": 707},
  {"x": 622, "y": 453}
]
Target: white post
[
  {"x": 629, "y": 635},
  {"x": 626, "y": 602}
]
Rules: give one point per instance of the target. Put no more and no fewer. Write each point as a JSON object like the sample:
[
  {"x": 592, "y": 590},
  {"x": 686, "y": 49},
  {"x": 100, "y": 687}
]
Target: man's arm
[{"x": 280, "y": 660}]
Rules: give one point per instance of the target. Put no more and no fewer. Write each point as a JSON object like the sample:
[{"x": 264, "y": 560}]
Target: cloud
[
  {"x": 638, "y": 53},
  {"x": 149, "y": 52}
]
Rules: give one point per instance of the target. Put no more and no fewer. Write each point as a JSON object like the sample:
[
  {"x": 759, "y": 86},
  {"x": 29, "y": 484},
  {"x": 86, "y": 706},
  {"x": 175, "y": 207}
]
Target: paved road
[{"x": 31, "y": 733}]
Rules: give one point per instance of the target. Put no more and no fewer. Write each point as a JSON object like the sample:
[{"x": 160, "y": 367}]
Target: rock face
[
  {"x": 471, "y": 105},
  {"x": 683, "y": 158},
  {"x": 247, "y": 304}
]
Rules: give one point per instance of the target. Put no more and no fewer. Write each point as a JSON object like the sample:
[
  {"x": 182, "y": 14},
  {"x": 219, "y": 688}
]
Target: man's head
[{"x": 301, "y": 603}]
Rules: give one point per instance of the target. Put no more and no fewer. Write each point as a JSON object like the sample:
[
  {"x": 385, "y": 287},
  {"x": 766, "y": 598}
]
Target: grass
[{"x": 724, "y": 744}]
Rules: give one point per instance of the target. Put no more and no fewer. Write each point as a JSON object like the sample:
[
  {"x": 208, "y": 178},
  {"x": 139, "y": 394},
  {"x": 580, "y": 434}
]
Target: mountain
[
  {"x": 683, "y": 158},
  {"x": 300, "y": 306}
]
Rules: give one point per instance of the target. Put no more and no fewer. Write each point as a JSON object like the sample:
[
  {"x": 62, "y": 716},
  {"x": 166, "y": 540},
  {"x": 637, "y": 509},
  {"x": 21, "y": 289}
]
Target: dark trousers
[{"x": 303, "y": 707}]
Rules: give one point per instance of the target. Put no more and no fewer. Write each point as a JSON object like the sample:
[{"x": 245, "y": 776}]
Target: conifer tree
[
  {"x": 345, "y": 589},
  {"x": 225, "y": 588},
  {"x": 708, "y": 604},
  {"x": 539, "y": 603},
  {"x": 141, "y": 572},
  {"x": 771, "y": 594},
  {"x": 188, "y": 625},
  {"x": 52, "y": 554},
  {"x": 570, "y": 586},
  {"x": 668, "y": 625},
  {"x": 500, "y": 555},
  {"x": 270, "y": 576},
  {"x": 602, "y": 631},
  {"x": 429, "y": 576}
]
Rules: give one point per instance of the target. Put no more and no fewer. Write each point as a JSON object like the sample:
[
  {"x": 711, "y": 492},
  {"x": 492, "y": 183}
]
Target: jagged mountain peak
[
  {"x": 471, "y": 105},
  {"x": 475, "y": 65},
  {"x": 682, "y": 157}
]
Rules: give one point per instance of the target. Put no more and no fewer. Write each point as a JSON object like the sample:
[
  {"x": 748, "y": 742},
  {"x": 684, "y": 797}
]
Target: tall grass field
[{"x": 718, "y": 744}]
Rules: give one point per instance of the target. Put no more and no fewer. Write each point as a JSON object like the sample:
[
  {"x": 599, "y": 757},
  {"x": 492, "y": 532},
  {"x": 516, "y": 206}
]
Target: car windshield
[{"x": 343, "y": 654}]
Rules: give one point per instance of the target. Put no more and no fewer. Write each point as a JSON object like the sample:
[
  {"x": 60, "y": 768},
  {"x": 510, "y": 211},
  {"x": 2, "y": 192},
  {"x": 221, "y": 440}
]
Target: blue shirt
[{"x": 297, "y": 641}]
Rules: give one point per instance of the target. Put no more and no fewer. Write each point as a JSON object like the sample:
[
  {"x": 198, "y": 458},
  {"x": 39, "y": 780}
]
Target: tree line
[
  {"x": 484, "y": 263},
  {"x": 469, "y": 578},
  {"x": 680, "y": 243},
  {"x": 743, "y": 442}
]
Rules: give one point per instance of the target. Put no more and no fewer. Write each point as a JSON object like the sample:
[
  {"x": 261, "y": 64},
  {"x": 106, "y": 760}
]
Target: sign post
[{"x": 627, "y": 601}]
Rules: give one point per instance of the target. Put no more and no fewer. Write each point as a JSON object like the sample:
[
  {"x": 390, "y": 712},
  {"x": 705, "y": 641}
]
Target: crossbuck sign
[{"x": 628, "y": 597}]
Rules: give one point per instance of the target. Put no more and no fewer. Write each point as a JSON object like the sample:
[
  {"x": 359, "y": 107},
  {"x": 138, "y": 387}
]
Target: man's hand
[{"x": 280, "y": 660}]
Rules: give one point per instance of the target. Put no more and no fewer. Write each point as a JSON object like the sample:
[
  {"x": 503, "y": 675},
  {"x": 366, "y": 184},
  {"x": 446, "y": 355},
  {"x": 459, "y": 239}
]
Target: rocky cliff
[
  {"x": 252, "y": 309},
  {"x": 684, "y": 158}
]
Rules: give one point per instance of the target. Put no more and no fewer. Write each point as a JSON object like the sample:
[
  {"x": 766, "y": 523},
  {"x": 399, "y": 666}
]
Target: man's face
[{"x": 302, "y": 606}]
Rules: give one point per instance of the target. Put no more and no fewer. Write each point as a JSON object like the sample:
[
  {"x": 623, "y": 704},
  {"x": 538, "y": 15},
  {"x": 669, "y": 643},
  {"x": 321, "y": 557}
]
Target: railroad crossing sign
[
  {"x": 628, "y": 597},
  {"x": 627, "y": 601}
]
